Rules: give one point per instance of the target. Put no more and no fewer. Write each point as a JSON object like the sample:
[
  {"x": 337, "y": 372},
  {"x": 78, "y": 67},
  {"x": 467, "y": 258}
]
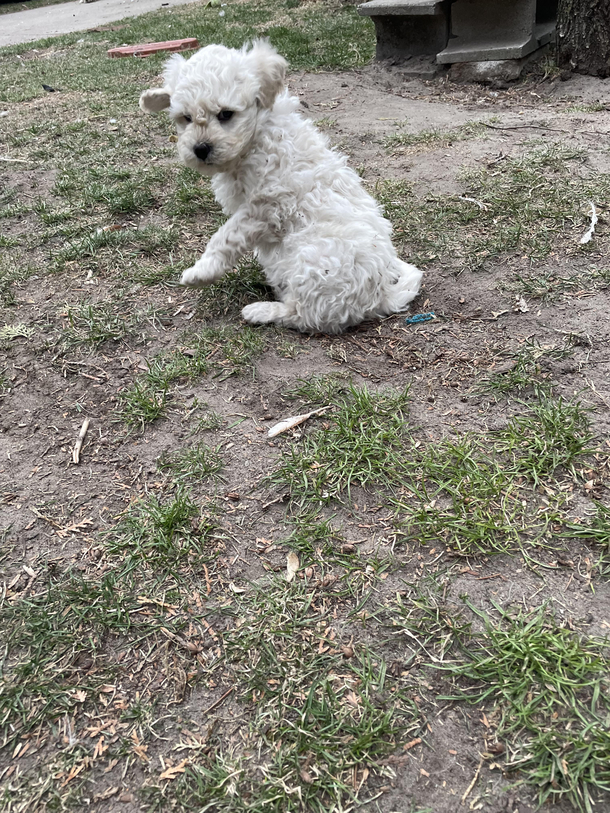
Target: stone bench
[
  {"x": 483, "y": 30},
  {"x": 462, "y": 30},
  {"x": 407, "y": 28}
]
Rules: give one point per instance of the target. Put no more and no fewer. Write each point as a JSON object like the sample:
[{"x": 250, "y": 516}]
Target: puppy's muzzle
[{"x": 202, "y": 151}]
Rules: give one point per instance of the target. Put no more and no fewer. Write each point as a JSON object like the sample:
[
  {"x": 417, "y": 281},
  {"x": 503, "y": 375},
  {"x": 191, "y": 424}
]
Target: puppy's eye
[
  {"x": 225, "y": 115},
  {"x": 187, "y": 118}
]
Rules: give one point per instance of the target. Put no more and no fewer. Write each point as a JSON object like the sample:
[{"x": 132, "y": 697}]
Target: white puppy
[{"x": 320, "y": 238}]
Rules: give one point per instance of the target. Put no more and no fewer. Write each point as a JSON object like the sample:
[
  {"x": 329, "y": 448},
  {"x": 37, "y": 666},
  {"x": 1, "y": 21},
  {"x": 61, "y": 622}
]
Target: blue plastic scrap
[{"x": 419, "y": 317}]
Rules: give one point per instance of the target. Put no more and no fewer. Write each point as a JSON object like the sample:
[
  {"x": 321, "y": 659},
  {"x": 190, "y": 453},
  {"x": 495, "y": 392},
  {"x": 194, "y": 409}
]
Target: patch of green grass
[
  {"x": 210, "y": 421},
  {"x": 51, "y": 215},
  {"x": 330, "y": 715},
  {"x": 525, "y": 204},
  {"x": 93, "y": 324},
  {"x": 141, "y": 404},
  {"x": 116, "y": 189},
  {"x": 234, "y": 290},
  {"x": 523, "y": 373},
  {"x": 163, "y": 537},
  {"x": 424, "y": 624},
  {"x": 550, "y": 285},
  {"x": 330, "y": 36},
  {"x": 11, "y": 274},
  {"x": 8, "y": 242},
  {"x": 190, "y": 196},
  {"x": 593, "y": 107},
  {"x": 116, "y": 248},
  {"x": 362, "y": 444},
  {"x": 555, "y": 434},
  {"x": 317, "y": 542},
  {"x": 436, "y": 139},
  {"x": 210, "y": 783},
  {"x": 475, "y": 493},
  {"x": 199, "y": 462},
  {"x": 469, "y": 500},
  {"x": 228, "y": 351},
  {"x": 53, "y": 636},
  {"x": 597, "y": 529},
  {"x": 546, "y": 690}
]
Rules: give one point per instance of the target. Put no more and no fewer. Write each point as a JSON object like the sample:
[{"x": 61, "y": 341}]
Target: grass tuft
[
  {"x": 199, "y": 462},
  {"x": 548, "y": 690},
  {"x": 554, "y": 434},
  {"x": 163, "y": 536},
  {"x": 361, "y": 442}
]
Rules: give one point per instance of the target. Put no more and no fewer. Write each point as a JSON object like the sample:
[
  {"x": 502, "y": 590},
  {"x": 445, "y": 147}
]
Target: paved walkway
[{"x": 64, "y": 18}]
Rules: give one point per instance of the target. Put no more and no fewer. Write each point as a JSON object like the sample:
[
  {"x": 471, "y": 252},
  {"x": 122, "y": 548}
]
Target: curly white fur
[{"x": 320, "y": 237}]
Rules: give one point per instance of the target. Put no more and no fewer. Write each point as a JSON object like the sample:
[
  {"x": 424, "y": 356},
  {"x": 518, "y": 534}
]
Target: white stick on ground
[
  {"x": 295, "y": 420},
  {"x": 589, "y": 234},
  {"x": 79, "y": 441}
]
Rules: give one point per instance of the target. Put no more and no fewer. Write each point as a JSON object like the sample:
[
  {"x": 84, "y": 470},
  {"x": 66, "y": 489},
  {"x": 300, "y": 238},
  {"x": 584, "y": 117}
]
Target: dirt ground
[{"x": 54, "y": 510}]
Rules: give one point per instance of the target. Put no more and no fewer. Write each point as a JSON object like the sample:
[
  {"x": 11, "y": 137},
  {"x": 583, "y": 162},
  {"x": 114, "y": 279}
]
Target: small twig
[
  {"x": 178, "y": 639},
  {"x": 219, "y": 701},
  {"x": 207, "y": 579},
  {"x": 294, "y": 421},
  {"x": 13, "y": 160},
  {"x": 591, "y": 386},
  {"x": 474, "y": 781},
  {"x": 524, "y": 126},
  {"x": 481, "y": 205},
  {"x": 544, "y": 127},
  {"x": 79, "y": 441}
]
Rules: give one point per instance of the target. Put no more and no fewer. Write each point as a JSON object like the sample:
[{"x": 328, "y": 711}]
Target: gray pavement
[{"x": 64, "y": 18}]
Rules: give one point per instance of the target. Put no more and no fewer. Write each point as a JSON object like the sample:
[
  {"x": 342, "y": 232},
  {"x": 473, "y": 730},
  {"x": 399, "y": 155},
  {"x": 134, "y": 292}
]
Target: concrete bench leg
[{"x": 403, "y": 37}]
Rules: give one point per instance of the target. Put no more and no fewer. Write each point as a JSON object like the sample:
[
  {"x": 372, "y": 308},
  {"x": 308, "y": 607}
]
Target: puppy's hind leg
[{"x": 262, "y": 313}]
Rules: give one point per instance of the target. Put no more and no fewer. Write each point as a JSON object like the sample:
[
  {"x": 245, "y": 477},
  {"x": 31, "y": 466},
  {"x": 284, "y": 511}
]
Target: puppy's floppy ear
[
  {"x": 154, "y": 100},
  {"x": 270, "y": 68}
]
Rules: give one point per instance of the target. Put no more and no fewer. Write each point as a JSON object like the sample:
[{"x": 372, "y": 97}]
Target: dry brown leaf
[
  {"x": 172, "y": 773},
  {"x": 292, "y": 566}
]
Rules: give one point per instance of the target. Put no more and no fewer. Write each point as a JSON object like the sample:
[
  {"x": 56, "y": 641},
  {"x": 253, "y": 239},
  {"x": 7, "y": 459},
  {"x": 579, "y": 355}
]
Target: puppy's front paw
[{"x": 198, "y": 276}]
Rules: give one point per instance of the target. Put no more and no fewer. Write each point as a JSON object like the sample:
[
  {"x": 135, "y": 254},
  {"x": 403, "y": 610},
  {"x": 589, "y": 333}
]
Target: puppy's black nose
[{"x": 202, "y": 151}]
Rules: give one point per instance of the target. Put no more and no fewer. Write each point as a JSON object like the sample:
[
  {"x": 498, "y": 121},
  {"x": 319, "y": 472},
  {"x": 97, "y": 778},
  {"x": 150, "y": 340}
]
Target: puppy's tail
[{"x": 406, "y": 287}]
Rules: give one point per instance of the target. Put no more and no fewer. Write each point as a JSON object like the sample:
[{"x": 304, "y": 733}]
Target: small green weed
[
  {"x": 163, "y": 537},
  {"x": 199, "y": 462},
  {"x": 141, "y": 404}
]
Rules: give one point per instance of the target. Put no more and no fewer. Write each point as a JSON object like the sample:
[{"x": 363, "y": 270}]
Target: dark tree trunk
[{"x": 583, "y": 36}]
